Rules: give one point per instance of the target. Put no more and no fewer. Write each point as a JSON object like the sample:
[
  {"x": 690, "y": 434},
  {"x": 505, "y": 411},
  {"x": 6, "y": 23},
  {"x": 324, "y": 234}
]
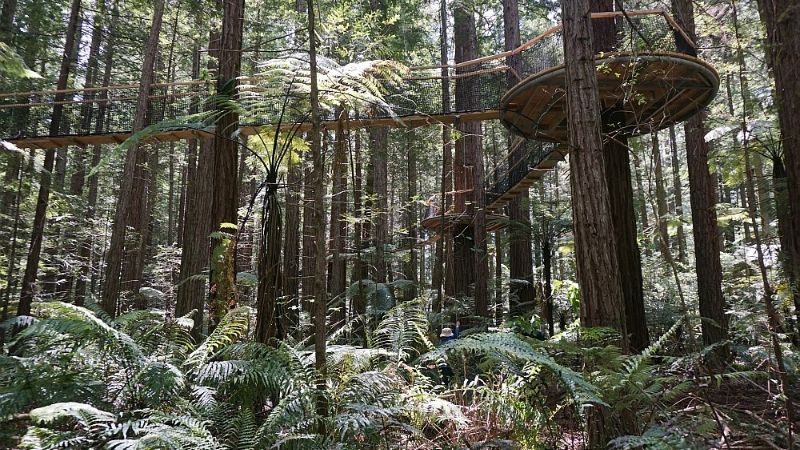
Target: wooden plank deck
[{"x": 414, "y": 121}]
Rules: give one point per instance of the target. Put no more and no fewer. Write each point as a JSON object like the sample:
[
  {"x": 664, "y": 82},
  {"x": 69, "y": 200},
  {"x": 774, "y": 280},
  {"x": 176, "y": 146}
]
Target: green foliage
[
  {"x": 12, "y": 66},
  {"x": 656, "y": 439},
  {"x": 510, "y": 346},
  {"x": 403, "y": 330}
]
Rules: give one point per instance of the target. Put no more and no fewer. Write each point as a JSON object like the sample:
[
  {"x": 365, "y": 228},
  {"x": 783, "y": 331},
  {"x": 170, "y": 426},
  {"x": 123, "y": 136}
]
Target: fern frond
[
  {"x": 233, "y": 326},
  {"x": 403, "y": 330},
  {"x": 511, "y": 346}
]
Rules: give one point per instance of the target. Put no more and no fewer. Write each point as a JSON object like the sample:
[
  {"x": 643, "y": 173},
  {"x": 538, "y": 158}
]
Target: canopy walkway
[{"x": 653, "y": 79}]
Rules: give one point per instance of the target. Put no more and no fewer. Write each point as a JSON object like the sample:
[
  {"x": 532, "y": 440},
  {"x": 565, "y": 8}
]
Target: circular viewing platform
[{"x": 639, "y": 93}]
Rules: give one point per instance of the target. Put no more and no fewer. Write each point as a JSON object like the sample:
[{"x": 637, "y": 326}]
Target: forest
[{"x": 399, "y": 224}]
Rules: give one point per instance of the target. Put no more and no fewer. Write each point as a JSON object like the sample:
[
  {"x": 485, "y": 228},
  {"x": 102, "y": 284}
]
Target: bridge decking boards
[{"x": 414, "y": 121}]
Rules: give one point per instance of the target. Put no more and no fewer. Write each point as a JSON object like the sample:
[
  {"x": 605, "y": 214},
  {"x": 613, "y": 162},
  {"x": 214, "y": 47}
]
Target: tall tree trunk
[
  {"x": 677, "y": 191},
  {"x": 441, "y": 264},
  {"x": 78, "y": 176},
  {"x": 37, "y": 232},
  {"x": 781, "y": 19},
  {"x": 191, "y": 153},
  {"x": 291, "y": 246},
  {"x": 197, "y": 225},
  {"x": 704, "y": 218},
  {"x": 661, "y": 195},
  {"x": 618, "y": 179},
  {"x": 225, "y": 198},
  {"x": 360, "y": 271},
  {"x": 411, "y": 265},
  {"x": 468, "y": 243},
  {"x": 197, "y": 228},
  {"x": 226, "y": 154},
  {"x": 60, "y": 174},
  {"x": 320, "y": 293},
  {"x": 171, "y": 195},
  {"x": 379, "y": 138},
  {"x": 11, "y": 280},
  {"x": 480, "y": 250},
  {"x": 308, "y": 255},
  {"x": 602, "y": 296},
  {"x": 338, "y": 225},
  {"x": 89, "y": 268},
  {"x": 641, "y": 201},
  {"x": 131, "y": 203},
  {"x": 520, "y": 257},
  {"x": 602, "y": 301},
  {"x": 763, "y": 190}
]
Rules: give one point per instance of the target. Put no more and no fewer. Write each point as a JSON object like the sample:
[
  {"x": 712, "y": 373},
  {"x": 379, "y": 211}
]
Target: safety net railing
[
  {"x": 513, "y": 170},
  {"x": 369, "y": 95},
  {"x": 29, "y": 114}
]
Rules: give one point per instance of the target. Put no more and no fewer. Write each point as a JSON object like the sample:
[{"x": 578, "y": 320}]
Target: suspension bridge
[{"x": 652, "y": 79}]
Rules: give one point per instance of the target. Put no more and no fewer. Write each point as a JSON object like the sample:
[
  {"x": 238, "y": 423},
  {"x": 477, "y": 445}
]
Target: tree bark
[
  {"x": 411, "y": 270},
  {"x": 87, "y": 243},
  {"x": 441, "y": 265},
  {"x": 661, "y": 194},
  {"x": 197, "y": 223},
  {"x": 225, "y": 197},
  {"x": 308, "y": 255},
  {"x": 644, "y": 223},
  {"x": 191, "y": 154},
  {"x": 704, "y": 218},
  {"x": 520, "y": 257},
  {"x": 602, "y": 296},
  {"x": 37, "y": 232},
  {"x": 291, "y": 246},
  {"x": 338, "y": 225},
  {"x": 618, "y": 179},
  {"x": 468, "y": 256},
  {"x": 320, "y": 293},
  {"x": 379, "y": 162},
  {"x": 131, "y": 204},
  {"x": 677, "y": 191},
  {"x": 359, "y": 271},
  {"x": 781, "y": 19},
  {"x": 602, "y": 301}
]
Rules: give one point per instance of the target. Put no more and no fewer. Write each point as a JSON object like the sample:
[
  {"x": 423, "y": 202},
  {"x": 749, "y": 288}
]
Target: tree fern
[
  {"x": 511, "y": 346},
  {"x": 231, "y": 328},
  {"x": 403, "y": 330}
]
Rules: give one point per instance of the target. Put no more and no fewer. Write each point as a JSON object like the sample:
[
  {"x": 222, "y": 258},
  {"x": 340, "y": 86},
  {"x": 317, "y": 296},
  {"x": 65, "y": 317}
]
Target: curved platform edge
[{"x": 554, "y": 77}]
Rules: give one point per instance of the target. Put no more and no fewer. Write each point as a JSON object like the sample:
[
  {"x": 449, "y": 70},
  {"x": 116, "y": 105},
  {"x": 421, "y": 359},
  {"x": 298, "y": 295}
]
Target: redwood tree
[
  {"x": 602, "y": 301},
  {"x": 520, "y": 256},
  {"x": 781, "y": 19},
  {"x": 616, "y": 155},
  {"x": 37, "y": 232},
  {"x": 703, "y": 197}
]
